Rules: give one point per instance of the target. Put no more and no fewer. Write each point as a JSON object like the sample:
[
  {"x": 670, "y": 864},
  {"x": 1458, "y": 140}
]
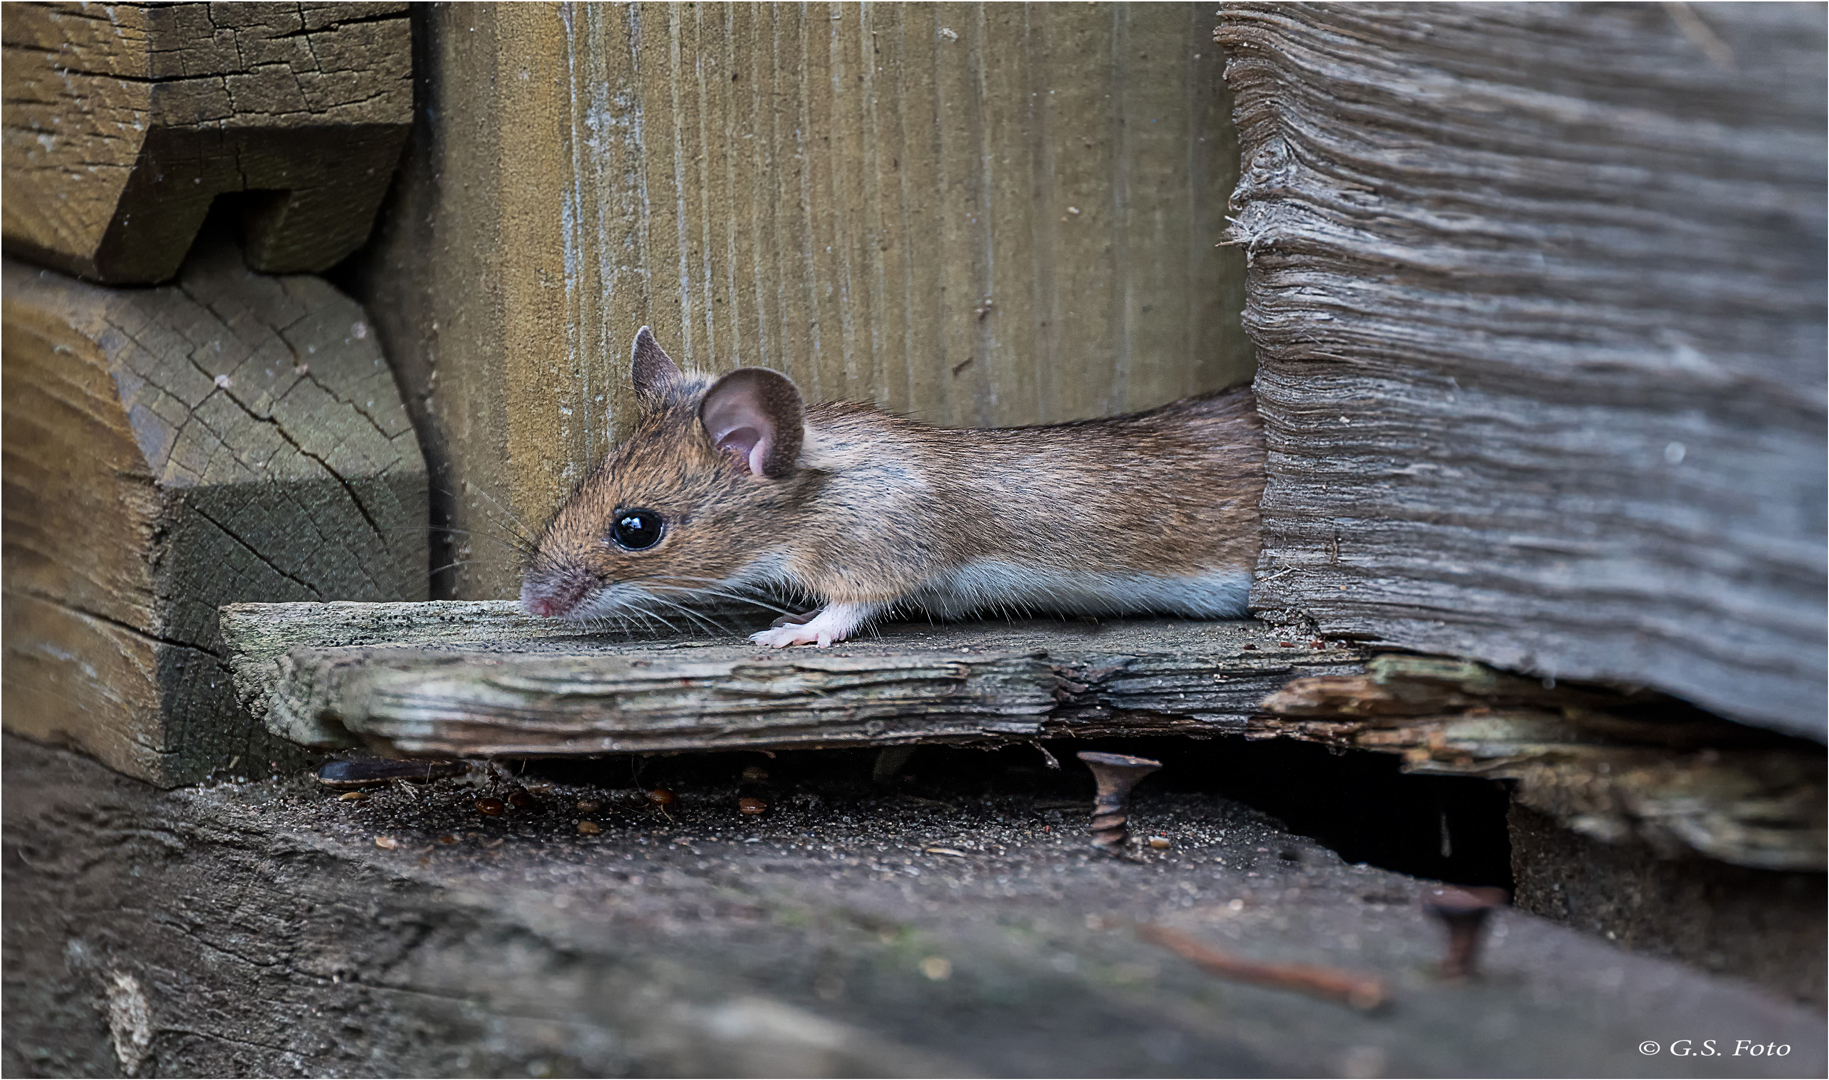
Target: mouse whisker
[
  {"x": 650, "y": 618},
  {"x": 742, "y": 598},
  {"x": 719, "y": 590},
  {"x": 514, "y": 544},
  {"x": 518, "y": 551},
  {"x": 506, "y": 517},
  {"x": 701, "y": 618}
]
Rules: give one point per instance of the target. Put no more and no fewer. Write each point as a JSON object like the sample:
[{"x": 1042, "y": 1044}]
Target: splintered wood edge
[
  {"x": 1689, "y": 784},
  {"x": 481, "y": 679}
]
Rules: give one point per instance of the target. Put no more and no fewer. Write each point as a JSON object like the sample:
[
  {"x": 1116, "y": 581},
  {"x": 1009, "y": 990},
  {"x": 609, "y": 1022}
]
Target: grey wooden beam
[
  {"x": 258, "y": 929},
  {"x": 1538, "y": 296},
  {"x": 478, "y": 679}
]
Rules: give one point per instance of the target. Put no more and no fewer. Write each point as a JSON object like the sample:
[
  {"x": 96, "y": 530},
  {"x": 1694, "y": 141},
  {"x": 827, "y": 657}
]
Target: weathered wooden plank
[
  {"x": 833, "y": 192},
  {"x": 228, "y": 437},
  {"x": 1538, "y": 293},
  {"x": 257, "y": 929},
  {"x": 1634, "y": 770},
  {"x": 479, "y": 679},
  {"x": 123, "y": 122}
]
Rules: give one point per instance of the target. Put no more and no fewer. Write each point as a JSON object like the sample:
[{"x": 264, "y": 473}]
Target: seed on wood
[
  {"x": 588, "y": 806},
  {"x": 752, "y": 806},
  {"x": 491, "y": 806},
  {"x": 386, "y": 842},
  {"x": 352, "y": 796},
  {"x": 1287, "y": 644},
  {"x": 520, "y": 798},
  {"x": 936, "y": 968},
  {"x": 660, "y": 796},
  {"x": 589, "y": 828}
]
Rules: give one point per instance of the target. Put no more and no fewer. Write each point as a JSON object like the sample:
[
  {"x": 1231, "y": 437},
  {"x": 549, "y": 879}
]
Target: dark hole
[{"x": 1360, "y": 805}]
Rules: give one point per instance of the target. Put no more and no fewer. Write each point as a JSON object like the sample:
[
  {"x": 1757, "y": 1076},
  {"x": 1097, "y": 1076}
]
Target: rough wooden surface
[
  {"x": 973, "y": 214},
  {"x": 476, "y": 679},
  {"x": 1634, "y": 770},
  {"x": 1538, "y": 295},
  {"x": 228, "y": 437},
  {"x": 124, "y": 121},
  {"x": 258, "y": 929}
]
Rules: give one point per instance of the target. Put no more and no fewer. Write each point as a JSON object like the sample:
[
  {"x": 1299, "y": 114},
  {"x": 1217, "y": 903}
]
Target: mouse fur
[{"x": 864, "y": 514}]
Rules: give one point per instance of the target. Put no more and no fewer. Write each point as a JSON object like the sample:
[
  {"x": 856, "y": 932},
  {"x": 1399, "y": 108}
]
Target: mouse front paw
[
  {"x": 834, "y": 623},
  {"x": 780, "y": 637}
]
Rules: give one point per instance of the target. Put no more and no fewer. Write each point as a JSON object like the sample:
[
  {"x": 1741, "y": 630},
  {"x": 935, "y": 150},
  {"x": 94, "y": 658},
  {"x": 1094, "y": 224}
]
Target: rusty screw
[
  {"x": 1463, "y": 912},
  {"x": 1116, "y": 775}
]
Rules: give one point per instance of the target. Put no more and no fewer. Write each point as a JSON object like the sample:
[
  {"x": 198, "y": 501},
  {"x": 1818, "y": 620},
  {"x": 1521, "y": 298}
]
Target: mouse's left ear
[
  {"x": 756, "y": 416},
  {"x": 650, "y": 368}
]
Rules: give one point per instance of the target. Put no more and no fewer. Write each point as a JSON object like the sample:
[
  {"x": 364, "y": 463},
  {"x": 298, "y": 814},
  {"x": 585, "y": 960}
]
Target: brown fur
[{"x": 879, "y": 503}]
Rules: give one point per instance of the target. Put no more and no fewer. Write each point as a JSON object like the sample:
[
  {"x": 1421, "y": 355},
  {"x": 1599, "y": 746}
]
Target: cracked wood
[
  {"x": 227, "y": 437},
  {"x": 479, "y": 679},
  {"x": 123, "y": 122},
  {"x": 1634, "y": 770},
  {"x": 1538, "y": 295}
]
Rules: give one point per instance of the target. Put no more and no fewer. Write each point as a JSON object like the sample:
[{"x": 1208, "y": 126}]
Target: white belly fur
[{"x": 1004, "y": 588}]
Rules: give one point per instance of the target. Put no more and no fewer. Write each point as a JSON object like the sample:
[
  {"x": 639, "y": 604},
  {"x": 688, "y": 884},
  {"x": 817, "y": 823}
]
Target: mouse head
[{"x": 697, "y": 497}]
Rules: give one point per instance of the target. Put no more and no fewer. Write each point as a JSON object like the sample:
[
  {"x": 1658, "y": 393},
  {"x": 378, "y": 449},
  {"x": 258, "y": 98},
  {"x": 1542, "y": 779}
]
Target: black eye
[{"x": 637, "y": 529}]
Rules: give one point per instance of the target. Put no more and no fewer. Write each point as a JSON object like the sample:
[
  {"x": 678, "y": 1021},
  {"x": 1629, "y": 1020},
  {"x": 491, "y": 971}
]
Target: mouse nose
[{"x": 550, "y": 599}]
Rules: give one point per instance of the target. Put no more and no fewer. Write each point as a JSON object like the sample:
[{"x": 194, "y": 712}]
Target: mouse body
[{"x": 733, "y": 487}]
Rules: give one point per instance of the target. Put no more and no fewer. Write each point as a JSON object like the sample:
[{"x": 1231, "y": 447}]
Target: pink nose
[{"x": 551, "y": 599}]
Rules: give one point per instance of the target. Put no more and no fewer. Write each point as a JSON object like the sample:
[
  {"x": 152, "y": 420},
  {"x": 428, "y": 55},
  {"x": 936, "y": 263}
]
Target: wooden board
[
  {"x": 973, "y": 214},
  {"x": 257, "y": 929},
  {"x": 1538, "y": 294},
  {"x": 124, "y": 122},
  {"x": 477, "y": 679},
  {"x": 229, "y": 437}
]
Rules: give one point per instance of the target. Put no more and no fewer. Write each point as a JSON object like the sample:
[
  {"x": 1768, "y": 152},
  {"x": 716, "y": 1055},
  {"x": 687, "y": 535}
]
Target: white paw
[
  {"x": 835, "y": 623},
  {"x": 780, "y": 637}
]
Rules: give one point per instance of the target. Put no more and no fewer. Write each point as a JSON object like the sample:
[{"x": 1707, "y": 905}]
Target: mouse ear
[
  {"x": 755, "y": 415},
  {"x": 651, "y": 369}
]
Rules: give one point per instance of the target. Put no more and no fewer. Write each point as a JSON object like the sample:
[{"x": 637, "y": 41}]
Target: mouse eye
[{"x": 636, "y": 529}]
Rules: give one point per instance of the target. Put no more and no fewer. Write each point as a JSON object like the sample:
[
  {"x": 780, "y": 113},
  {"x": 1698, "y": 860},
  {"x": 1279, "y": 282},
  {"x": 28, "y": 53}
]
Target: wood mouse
[{"x": 732, "y": 486}]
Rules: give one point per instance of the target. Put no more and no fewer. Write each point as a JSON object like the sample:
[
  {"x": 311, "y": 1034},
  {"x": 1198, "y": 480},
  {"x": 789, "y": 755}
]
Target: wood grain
[
  {"x": 228, "y": 437},
  {"x": 976, "y": 215},
  {"x": 1635, "y": 771},
  {"x": 1538, "y": 294},
  {"x": 124, "y": 122},
  {"x": 479, "y": 679},
  {"x": 265, "y": 933}
]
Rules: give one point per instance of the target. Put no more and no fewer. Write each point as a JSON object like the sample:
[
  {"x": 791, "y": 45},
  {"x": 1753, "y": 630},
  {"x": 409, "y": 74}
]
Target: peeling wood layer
[
  {"x": 1617, "y": 768},
  {"x": 1538, "y": 295}
]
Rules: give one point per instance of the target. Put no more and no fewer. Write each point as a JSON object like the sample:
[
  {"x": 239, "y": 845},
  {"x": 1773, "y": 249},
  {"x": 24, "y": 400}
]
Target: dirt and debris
[{"x": 953, "y": 920}]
